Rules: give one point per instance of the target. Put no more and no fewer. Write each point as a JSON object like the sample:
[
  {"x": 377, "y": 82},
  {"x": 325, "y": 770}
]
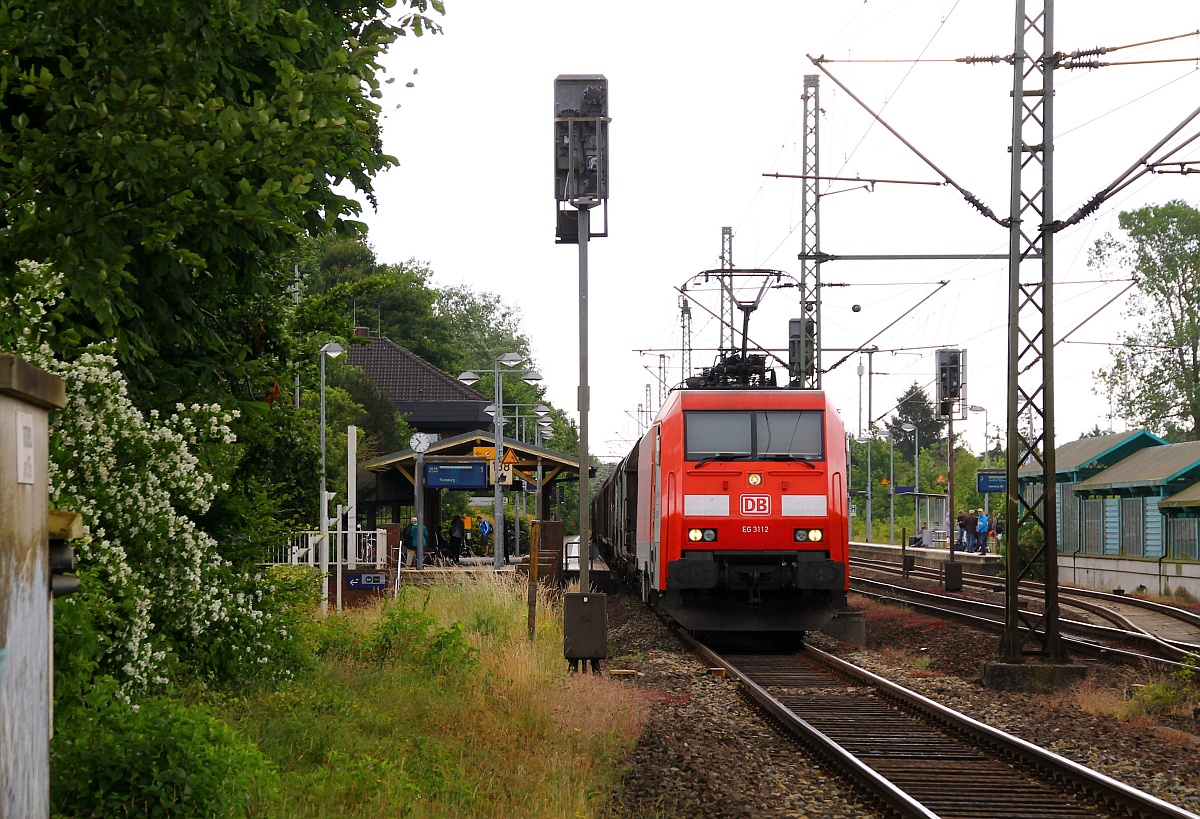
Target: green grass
[{"x": 410, "y": 715}]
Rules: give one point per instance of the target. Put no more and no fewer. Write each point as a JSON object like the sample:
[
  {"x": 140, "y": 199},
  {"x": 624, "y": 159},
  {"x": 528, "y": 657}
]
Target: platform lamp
[
  {"x": 509, "y": 360},
  {"x": 886, "y": 433},
  {"x": 330, "y": 350},
  {"x": 916, "y": 474},
  {"x": 987, "y": 452},
  {"x": 542, "y": 432}
]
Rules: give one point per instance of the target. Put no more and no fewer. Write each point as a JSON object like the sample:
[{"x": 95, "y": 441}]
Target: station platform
[{"x": 988, "y": 564}]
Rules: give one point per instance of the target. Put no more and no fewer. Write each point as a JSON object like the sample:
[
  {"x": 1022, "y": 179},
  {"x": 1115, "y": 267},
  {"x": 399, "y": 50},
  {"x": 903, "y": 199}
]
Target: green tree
[
  {"x": 914, "y": 407},
  {"x": 164, "y": 156},
  {"x": 1155, "y": 376}
]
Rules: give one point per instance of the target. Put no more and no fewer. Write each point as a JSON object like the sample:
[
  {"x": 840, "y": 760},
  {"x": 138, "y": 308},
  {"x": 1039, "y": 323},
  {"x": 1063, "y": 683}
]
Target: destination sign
[{"x": 456, "y": 475}]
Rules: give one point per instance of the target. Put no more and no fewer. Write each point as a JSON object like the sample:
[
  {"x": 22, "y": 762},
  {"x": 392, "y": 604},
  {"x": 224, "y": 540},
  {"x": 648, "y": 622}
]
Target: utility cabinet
[
  {"x": 585, "y": 626},
  {"x": 26, "y": 396}
]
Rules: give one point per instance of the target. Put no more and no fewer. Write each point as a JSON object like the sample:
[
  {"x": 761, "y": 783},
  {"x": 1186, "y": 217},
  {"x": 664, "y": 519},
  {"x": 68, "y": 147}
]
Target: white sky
[{"x": 705, "y": 97}]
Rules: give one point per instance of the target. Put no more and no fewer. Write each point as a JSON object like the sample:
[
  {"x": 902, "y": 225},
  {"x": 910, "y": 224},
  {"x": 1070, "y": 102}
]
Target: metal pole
[
  {"x": 870, "y": 480},
  {"x": 585, "y": 541},
  {"x": 916, "y": 480},
  {"x": 352, "y": 495},
  {"x": 987, "y": 461},
  {"x": 891, "y": 490},
  {"x": 324, "y": 516},
  {"x": 337, "y": 559},
  {"x": 497, "y": 491},
  {"x": 950, "y": 481},
  {"x": 419, "y": 504}
]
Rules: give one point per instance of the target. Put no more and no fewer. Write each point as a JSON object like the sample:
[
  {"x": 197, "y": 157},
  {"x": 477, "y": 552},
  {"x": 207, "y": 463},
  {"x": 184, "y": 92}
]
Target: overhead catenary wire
[{"x": 971, "y": 198}]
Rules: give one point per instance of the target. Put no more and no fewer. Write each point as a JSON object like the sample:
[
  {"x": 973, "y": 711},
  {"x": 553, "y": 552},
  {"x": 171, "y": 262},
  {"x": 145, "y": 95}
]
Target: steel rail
[
  {"x": 1093, "y": 782},
  {"x": 1036, "y": 588},
  {"x": 978, "y": 621},
  {"x": 1118, "y": 796},
  {"x": 866, "y": 776}
]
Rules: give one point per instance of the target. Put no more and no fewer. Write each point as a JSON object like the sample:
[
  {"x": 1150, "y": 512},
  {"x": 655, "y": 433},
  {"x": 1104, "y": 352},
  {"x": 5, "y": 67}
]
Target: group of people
[
  {"x": 974, "y": 528},
  {"x": 446, "y": 547}
]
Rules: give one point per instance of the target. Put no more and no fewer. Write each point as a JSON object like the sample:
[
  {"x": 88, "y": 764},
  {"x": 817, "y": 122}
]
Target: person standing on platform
[
  {"x": 969, "y": 523},
  {"x": 457, "y": 533},
  {"x": 962, "y": 530},
  {"x": 412, "y": 539},
  {"x": 406, "y": 543},
  {"x": 981, "y": 533},
  {"x": 485, "y": 529}
]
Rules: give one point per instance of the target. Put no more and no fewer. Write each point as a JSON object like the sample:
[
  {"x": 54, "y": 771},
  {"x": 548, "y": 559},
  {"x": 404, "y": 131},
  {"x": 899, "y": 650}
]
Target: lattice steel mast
[
  {"x": 810, "y": 234},
  {"x": 728, "y": 306},
  {"x": 1031, "y": 335}
]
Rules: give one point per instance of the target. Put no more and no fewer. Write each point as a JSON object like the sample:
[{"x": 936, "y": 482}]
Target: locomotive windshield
[{"x": 758, "y": 435}]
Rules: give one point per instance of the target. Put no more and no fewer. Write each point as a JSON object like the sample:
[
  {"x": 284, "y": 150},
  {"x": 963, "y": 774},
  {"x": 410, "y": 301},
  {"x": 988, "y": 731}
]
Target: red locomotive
[{"x": 730, "y": 513}]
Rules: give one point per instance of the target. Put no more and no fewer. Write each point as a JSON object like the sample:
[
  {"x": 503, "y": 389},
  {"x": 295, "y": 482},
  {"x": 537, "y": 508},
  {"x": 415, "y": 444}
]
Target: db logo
[{"x": 756, "y": 504}]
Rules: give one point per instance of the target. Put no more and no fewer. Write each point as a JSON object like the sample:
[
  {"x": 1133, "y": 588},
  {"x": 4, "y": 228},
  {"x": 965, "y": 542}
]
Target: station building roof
[
  {"x": 1167, "y": 468},
  {"x": 1076, "y": 460},
  {"x": 430, "y": 399},
  {"x": 1188, "y": 498}
]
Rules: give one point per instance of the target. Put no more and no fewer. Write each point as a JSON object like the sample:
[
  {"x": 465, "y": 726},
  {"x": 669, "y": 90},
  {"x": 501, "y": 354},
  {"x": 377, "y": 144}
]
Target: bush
[{"x": 158, "y": 758}]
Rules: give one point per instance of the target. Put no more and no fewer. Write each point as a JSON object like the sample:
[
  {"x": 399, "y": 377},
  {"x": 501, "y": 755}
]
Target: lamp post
[
  {"x": 916, "y": 473},
  {"x": 891, "y": 489},
  {"x": 868, "y": 439},
  {"x": 987, "y": 454},
  {"x": 332, "y": 350},
  {"x": 543, "y": 431},
  {"x": 470, "y": 377}
]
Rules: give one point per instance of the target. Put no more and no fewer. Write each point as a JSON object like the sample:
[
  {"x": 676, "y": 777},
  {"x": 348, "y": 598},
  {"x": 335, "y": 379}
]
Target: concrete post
[{"x": 26, "y": 396}]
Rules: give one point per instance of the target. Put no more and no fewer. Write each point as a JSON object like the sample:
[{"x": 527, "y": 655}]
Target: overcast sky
[{"x": 705, "y": 98}]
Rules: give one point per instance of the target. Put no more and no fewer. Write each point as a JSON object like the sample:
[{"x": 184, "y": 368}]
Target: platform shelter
[{"x": 465, "y": 463}]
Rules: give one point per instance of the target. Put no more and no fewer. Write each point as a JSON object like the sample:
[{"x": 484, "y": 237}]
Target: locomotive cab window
[{"x": 763, "y": 435}]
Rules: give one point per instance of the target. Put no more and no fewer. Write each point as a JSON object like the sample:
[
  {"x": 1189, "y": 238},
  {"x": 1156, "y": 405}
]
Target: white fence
[{"x": 352, "y": 549}]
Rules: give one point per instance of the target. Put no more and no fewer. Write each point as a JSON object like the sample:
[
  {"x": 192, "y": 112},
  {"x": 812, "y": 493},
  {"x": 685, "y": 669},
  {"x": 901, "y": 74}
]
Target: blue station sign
[
  {"x": 991, "y": 481},
  {"x": 366, "y": 580},
  {"x": 456, "y": 475}
]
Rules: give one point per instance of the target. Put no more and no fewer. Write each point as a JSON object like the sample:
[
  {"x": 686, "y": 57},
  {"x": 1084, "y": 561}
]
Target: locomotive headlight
[
  {"x": 754, "y": 479},
  {"x": 695, "y": 535},
  {"x": 807, "y": 535},
  {"x": 710, "y": 535},
  {"x": 815, "y": 535}
]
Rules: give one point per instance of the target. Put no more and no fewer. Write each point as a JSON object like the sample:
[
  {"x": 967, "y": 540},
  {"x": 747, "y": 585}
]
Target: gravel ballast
[{"x": 707, "y": 752}]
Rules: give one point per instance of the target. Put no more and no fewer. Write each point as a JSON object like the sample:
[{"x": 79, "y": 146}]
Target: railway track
[
  {"x": 916, "y": 757},
  {"x": 1133, "y": 632}
]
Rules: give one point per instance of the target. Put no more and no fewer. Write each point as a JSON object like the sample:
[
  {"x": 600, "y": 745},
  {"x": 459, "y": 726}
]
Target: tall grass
[{"x": 438, "y": 704}]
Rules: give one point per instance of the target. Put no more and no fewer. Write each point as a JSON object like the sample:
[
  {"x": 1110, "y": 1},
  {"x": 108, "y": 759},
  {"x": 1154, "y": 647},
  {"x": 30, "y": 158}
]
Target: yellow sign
[
  {"x": 941, "y": 479},
  {"x": 510, "y": 457},
  {"x": 885, "y": 482},
  {"x": 484, "y": 452}
]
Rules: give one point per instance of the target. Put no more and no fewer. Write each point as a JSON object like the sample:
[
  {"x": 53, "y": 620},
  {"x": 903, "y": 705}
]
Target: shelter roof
[
  {"x": 1187, "y": 498},
  {"x": 1155, "y": 466},
  {"x": 1102, "y": 450},
  {"x": 556, "y": 466}
]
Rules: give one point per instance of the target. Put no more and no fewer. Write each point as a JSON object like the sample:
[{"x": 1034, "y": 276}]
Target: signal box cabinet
[{"x": 585, "y": 626}]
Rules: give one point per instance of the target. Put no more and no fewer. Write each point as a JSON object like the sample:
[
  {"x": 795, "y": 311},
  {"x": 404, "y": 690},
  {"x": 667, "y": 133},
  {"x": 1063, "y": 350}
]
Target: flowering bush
[{"x": 155, "y": 585}]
